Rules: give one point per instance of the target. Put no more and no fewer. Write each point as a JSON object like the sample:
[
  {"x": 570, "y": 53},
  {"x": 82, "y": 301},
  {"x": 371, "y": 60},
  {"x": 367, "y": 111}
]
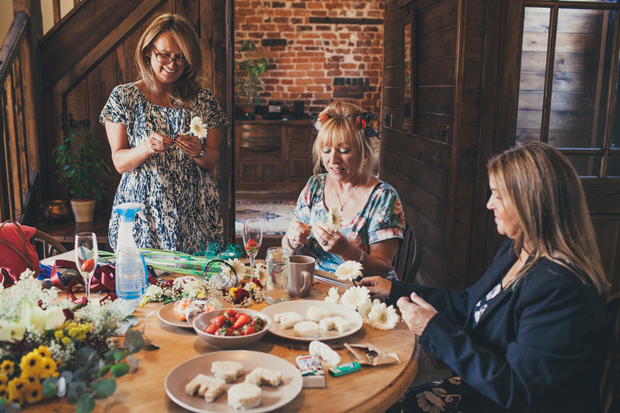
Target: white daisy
[
  {"x": 333, "y": 296},
  {"x": 355, "y": 297},
  {"x": 349, "y": 270},
  {"x": 383, "y": 318},
  {"x": 197, "y": 128},
  {"x": 238, "y": 266},
  {"x": 334, "y": 219},
  {"x": 365, "y": 308},
  {"x": 261, "y": 271}
]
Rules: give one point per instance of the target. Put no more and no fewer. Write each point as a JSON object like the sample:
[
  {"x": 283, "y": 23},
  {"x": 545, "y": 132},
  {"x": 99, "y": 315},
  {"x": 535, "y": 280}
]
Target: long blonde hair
[
  {"x": 543, "y": 190},
  {"x": 189, "y": 84},
  {"x": 340, "y": 127}
]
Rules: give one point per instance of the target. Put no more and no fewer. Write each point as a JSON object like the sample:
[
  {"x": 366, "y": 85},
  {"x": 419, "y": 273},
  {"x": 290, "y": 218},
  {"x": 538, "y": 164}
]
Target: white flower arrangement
[
  {"x": 382, "y": 317},
  {"x": 349, "y": 270},
  {"x": 355, "y": 297},
  {"x": 373, "y": 312}
]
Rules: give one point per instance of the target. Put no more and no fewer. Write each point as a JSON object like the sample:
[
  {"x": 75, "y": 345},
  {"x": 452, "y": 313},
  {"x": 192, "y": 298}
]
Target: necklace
[
  {"x": 161, "y": 99},
  {"x": 348, "y": 199}
]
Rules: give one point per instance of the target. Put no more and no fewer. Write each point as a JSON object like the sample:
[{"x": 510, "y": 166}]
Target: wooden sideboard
[{"x": 273, "y": 155}]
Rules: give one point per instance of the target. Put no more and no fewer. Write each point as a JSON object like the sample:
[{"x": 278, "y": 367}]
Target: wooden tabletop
[{"x": 373, "y": 389}]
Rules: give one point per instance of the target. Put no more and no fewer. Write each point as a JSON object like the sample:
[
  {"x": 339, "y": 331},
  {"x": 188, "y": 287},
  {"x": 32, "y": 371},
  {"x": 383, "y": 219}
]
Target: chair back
[
  {"x": 46, "y": 245},
  {"x": 409, "y": 251},
  {"x": 610, "y": 384}
]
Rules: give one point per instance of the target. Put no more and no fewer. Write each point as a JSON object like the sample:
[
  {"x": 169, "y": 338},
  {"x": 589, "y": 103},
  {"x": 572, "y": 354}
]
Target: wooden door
[
  {"x": 559, "y": 83},
  {"x": 91, "y": 50}
]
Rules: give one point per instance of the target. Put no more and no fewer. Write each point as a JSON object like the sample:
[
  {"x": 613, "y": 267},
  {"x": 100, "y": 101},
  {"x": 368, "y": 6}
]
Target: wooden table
[{"x": 372, "y": 390}]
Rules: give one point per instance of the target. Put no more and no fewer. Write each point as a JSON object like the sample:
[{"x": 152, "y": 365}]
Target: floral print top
[
  {"x": 182, "y": 206},
  {"x": 381, "y": 218}
]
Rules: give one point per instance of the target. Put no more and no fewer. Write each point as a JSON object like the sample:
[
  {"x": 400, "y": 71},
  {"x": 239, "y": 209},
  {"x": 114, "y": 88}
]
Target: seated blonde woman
[{"x": 372, "y": 215}]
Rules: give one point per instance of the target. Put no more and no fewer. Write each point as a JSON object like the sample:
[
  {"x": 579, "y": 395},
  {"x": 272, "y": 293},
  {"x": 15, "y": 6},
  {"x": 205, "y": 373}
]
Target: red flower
[
  {"x": 240, "y": 296},
  {"x": 68, "y": 314},
  {"x": 257, "y": 282}
]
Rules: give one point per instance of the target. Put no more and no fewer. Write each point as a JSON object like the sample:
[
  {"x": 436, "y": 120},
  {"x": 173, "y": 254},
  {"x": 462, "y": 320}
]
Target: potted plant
[
  {"x": 250, "y": 69},
  {"x": 81, "y": 167}
]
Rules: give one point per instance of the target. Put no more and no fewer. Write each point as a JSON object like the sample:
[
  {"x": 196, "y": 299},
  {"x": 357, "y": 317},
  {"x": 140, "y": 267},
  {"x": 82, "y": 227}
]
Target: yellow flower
[
  {"x": 232, "y": 292},
  {"x": 66, "y": 341},
  {"x": 201, "y": 294},
  {"x": 59, "y": 334},
  {"x": 17, "y": 386},
  {"x": 30, "y": 376},
  {"x": 48, "y": 367},
  {"x": 33, "y": 393},
  {"x": 4, "y": 392},
  {"x": 7, "y": 367},
  {"x": 17, "y": 397},
  {"x": 3, "y": 380},
  {"x": 43, "y": 351},
  {"x": 31, "y": 361}
]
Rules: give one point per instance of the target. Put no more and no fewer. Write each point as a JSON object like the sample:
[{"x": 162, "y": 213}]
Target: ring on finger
[{"x": 324, "y": 243}]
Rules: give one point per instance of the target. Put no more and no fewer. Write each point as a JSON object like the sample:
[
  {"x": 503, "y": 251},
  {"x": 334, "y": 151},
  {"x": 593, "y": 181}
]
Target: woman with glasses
[{"x": 162, "y": 166}]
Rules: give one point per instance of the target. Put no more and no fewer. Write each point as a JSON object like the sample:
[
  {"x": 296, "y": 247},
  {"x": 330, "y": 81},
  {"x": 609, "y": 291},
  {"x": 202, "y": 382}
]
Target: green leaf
[
  {"x": 133, "y": 341},
  {"x": 109, "y": 356},
  {"x": 104, "y": 370},
  {"x": 121, "y": 355},
  {"x": 49, "y": 389},
  {"x": 104, "y": 388},
  {"x": 119, "y": 370},
  {"x": 85, "y": 404}
]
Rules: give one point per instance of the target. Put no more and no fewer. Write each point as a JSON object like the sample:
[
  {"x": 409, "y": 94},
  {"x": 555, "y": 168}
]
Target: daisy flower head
[
  {"x": 382, "y": 317},
  {"x": 334, "y": 219},
  {"x": 197, "y": 128},
  {"x": 238, "y": 266},
  {"x": 333, "y": 296},
  {"x": 349, "y": 270},
  {"x": 355, "y": 297},
  {"x": 365, "y": 308}
]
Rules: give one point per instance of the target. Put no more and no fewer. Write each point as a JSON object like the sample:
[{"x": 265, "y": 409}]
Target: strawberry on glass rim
[
  {"x": 88, "y": 265},
  {"x": 252, "y": 247}
]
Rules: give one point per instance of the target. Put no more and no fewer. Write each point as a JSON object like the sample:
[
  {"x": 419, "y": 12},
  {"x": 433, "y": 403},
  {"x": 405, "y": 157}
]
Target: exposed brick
[
  {"x": 329, "y": 36},
  {"x": 334, "y": 73},
  {"x": 318, "y": 13},
  {"x": 370, "y": 29},
  {"x": 299, "y": 89},
  {"x": 274, "y": 4},
  {"x": 315, "y": 73},
  {"x": 300, "y": 12},
  {"x": 296, "y": 73},
  {"x": 357, "y": 6},
  {"x": 286, "y": 13},
  {"x": 298, "y": 5},
  {"x": 286, "y": 28},
  {"x": 304, "y": 81},
  {"x": 304, "y": 66},
  {"x": 287, "y": 81},
  {"x": 245, "y": 12},
  {"x": 315, "y": 88},
  {"x": 281, "y": 20},
  {"x": 256, "y": 35},
  {"x": 303, "y": 28},
  {"x": 315, "y": 5},
  {"x": 297, "y": 20},
  {"x": 252, "y": 27}
]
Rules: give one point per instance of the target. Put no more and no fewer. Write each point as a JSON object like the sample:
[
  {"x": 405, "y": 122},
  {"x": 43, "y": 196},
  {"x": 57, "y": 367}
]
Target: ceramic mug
[{"x": 300, "y": 275}]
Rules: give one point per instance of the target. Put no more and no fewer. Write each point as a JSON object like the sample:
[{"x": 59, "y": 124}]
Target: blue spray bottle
[{"x": 131, "y": 274}]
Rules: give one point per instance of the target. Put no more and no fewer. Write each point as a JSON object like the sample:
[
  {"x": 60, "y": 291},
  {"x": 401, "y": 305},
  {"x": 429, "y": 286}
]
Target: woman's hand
[
  {"x": 297, "y": 234},
  {"x": 191, "y": 145},
  {"x": 331, "y": 241},
  {"x": 416, "y": 313},
  {"x": 158, "y": 143},
  {"x": 379, "y": 287}
]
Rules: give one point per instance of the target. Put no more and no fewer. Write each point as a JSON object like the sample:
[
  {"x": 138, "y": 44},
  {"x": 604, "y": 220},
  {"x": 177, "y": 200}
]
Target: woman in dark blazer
[{"x": 531, "y": 331}]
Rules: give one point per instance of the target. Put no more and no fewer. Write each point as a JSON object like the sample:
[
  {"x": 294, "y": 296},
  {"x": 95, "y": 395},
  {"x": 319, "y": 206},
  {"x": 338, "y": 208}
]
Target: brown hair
[
  {"x": 340, "y": 127},
  {"x": 543, "y": 190},
  {"x": 188, "y": 85}
]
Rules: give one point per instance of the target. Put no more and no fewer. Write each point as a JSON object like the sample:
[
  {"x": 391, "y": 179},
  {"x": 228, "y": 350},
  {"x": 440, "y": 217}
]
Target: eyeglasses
[{"x": 166, "y": 59}]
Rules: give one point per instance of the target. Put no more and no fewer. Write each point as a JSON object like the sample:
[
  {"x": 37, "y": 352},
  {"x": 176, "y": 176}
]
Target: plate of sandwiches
[
  {"x": 309, "y": 320},
  {"x": 235, "y": 379}
]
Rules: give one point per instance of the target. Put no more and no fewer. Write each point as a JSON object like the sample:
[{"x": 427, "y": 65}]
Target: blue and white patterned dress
[{"x": 182, "y": 206}]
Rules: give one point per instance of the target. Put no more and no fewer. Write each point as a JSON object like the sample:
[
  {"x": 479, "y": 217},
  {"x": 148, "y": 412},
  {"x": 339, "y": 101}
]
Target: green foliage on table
[
  {"x": 81, "y": 165},
  {"x": 253, "y": 65}
]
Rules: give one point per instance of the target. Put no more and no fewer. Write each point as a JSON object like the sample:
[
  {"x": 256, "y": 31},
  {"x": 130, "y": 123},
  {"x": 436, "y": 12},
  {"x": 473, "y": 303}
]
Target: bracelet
[{"x": 361, "y": 258}]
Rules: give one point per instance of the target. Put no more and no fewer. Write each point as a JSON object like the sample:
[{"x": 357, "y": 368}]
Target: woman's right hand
[
  {"x": 378, "y": 286},
  {"x": 298, "y": 233},
  {"x": 158, "y": 143}
]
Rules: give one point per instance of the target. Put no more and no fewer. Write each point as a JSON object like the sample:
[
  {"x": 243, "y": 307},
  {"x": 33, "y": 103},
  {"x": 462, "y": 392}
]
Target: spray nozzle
[{"x": 129, "y": 210}]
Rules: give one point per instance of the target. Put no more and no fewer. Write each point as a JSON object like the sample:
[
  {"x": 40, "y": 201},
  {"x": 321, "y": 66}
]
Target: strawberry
[
  {"x": 230, "y": 313},
  {"x": 218, "y": 321},
  {"x": 251, "y": 244},
  {"x": 241, "y": 321},
  {"x": 248, "y": 330},
  {"x": 88, "y": 265},
  {"x": 211, "y": 329}
]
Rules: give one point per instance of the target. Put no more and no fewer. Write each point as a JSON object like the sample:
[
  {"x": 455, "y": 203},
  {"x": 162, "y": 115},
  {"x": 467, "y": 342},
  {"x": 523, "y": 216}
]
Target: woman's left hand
[
  {"x": 331, "y": 241},
  {"x": 191, "y": 145},
  {"x": 416, "y": 313}
]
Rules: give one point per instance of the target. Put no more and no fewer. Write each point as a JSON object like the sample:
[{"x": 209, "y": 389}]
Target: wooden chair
[
  {"x": 47, "y": 245},
  {"x": 410, "y": 263},
  {"x": 610, "y": 384}
]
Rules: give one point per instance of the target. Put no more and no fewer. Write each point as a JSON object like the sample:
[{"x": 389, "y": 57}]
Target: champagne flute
[
  {"x": 86, "y": 255},
  {"x": 252, "y": 238}
]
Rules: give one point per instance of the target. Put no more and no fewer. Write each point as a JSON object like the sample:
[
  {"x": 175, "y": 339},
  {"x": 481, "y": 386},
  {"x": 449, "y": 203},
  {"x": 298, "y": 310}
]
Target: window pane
[
  {"x": 532, "y": 81},
  {"x": 586, "y": 165},
  {"x": 581, "y": 78},
  {"x": 613, "y": 166},
  {"x": 615, "y": 126}
]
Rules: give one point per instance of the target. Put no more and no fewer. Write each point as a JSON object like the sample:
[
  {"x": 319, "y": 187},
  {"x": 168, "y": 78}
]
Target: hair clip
[
  {"x": 364, "y": 119},
  {"x": 319, "y": 119}
]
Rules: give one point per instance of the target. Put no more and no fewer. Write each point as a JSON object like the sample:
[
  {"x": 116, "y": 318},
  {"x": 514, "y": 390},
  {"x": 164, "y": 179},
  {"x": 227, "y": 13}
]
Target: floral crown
[{"x": 361, "y": 121}]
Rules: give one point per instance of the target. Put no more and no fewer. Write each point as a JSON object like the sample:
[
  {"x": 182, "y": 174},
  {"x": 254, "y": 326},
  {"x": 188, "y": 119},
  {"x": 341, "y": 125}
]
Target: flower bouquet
[{"x": 54, "y": 348}]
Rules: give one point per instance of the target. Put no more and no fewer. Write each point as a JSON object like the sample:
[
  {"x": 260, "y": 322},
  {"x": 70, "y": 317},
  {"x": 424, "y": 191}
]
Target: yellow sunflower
[
  {"x": 4, "y": 391},
  {"x": 4, "y": 380},
  {"x": 33, "y": 393},
  {"x": 43, "y": 351},
  {"x": 17, "y": 386},
  {"x": 16, "y": 397},
  {"x": 48, "y": 367},
  {"x": 30, "y": 362},
  {"x": 30, "y": 376},
  {"x": 7, "y": 367}
]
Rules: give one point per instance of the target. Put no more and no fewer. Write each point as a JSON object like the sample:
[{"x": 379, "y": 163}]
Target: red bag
[{"x": 17, "y": 254}]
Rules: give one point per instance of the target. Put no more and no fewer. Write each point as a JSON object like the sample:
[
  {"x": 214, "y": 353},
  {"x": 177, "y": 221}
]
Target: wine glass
[
  {"x": 252, "y": 238},
  {"x": 86, "y": 255}
]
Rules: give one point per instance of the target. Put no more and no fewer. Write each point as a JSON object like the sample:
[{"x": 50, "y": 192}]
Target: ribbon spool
[{"x": 229, "y": 283}]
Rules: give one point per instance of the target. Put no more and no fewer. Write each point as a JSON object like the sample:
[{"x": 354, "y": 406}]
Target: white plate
[
  {"x": 166, "y": 314},
  {"x": 301, "y": 307},
  {"x": 272, "y": 397}
]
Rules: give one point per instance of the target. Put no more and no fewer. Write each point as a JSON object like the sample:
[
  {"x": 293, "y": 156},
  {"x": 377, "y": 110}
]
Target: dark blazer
[{"x": 538, "y": 348}]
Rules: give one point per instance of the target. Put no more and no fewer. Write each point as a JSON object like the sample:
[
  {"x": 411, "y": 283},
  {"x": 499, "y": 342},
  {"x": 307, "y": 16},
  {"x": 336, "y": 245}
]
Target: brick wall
[{"x": 320, "y": 51}]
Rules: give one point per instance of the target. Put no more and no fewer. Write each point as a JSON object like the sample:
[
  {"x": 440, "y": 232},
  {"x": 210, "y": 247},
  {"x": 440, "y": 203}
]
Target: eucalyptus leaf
[
  {"x": 85, "y": 404},
  {"x": 103, "y": 388},
  {"x": 67, "y": 375},
  {"x": 119, "y": 370},
  {"x": 133, "y": 364},
  {"x": 133, "y": 341},
  {"x": 148, "y": 344},
  {"x": 104, "y": 370},
  {"x": 84, "y": 355},
  {"x": 49, "y": 389},
  {"x": 121, "y": 355},
  {"x": 109, "y": 356}
]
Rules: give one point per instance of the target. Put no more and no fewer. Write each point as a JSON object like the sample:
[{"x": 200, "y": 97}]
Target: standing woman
[
  {"x": 161, "y": 167},
  {"x": 533, "y": 327},
  {"x": 373, "y": 218}
]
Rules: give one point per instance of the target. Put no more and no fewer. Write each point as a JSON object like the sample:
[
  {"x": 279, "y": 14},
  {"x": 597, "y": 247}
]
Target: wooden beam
[{"x": 9, "y": 49}]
